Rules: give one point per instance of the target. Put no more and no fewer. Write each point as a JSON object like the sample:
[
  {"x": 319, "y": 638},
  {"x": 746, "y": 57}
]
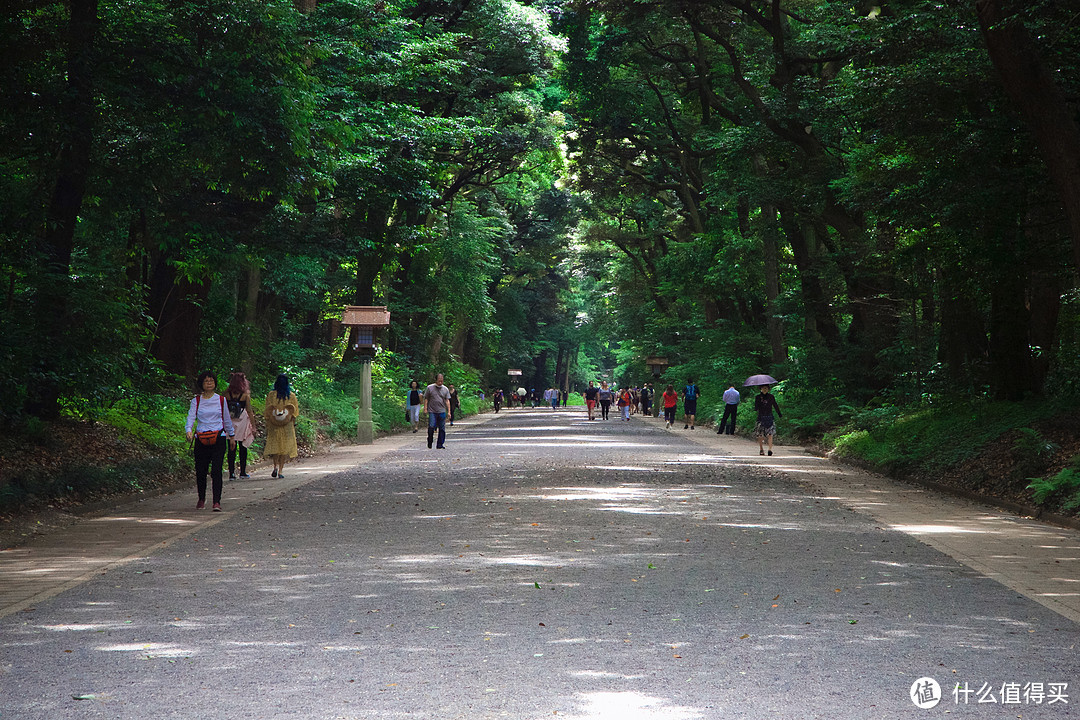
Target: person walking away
[
  {"x": 437, "y": 404},
  {"x": 552, "y": 396},
  {"x": 238, "y": 398},
  {"x": 624, "y": 404},
  {"x": 765, "y": 430},
  {"x": 208, "y": 427},
  {"x": 591, "y": 393},
  {"x": 496, "y": 399},
  {"x": 646, "y": 399},
  {"x": 605, "y": 399},
  {"x": 455, "y": 404},
  {"x": 413, "y": 405},
  {"x": 281, "y": 410},
  {"x": 732, "y": 398},
  {"x": 671, "y": 401},
  {"x": 690, "y": 398}
]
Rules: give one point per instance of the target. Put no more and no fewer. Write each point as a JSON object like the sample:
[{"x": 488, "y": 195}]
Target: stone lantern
[{"x": 366, "y": 320}]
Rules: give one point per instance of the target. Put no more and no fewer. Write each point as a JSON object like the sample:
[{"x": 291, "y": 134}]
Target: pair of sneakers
[{"x": 202, "y": 504}]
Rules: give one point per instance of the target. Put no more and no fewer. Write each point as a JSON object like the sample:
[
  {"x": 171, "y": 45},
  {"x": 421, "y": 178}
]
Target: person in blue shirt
[
  {"x": 690, "y": 398},
  {"x": 731, "y": 410}
]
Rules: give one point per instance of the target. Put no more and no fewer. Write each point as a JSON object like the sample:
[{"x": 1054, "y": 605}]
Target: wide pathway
[{"x": 546, "y": 566}]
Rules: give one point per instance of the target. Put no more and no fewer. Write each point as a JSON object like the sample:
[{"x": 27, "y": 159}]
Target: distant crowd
[{"x": 220, "y": 426}]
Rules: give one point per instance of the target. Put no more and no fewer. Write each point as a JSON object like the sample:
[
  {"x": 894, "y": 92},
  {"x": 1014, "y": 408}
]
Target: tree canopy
[{"x": 875, "y": 201}]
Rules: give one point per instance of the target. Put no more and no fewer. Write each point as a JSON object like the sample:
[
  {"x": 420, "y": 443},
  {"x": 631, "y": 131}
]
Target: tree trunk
[
  {"x": 64, "y": 207},
  {"x": 1044, "y": 306},
  {"x": 770, "y": 244},
  {"x": 539, "y": 371},
  {"x": 177, "y": 306},
  {"x": 817, "y": 308},
  {"x": 1041, "y": 103},
  {"x": 571, "y": 354},
  {"x": 559, "y": 367},
  {"x": 1010, "y": 352},
  {"x": 962, "y": 342}
]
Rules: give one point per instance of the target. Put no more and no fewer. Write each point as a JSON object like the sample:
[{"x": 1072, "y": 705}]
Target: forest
[{"x": 876, "y": 202}]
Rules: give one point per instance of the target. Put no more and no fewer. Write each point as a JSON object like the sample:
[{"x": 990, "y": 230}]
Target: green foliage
[
  {"x": 33, "y": 487},
  {"x": 933, "y": 438},
  {"x": 1063, "y": 487},
  {"x": 157, "y": 421}
]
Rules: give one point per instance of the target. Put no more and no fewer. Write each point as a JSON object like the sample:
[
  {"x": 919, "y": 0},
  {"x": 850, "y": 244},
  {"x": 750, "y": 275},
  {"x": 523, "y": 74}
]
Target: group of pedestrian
[
  {"x": 764, "y": 406},
  {"x": 690, "y": 395},
  {"x": 629, "y": 400},
  {"x": 220, "y": 424},
  {"x": 440, "y": 402}
]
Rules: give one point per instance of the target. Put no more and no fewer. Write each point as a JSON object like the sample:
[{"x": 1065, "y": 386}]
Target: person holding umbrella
[{"x": 764, "y": 404}]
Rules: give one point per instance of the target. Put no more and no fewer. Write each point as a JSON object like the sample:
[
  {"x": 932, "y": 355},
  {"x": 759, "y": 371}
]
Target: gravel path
[{"x": 541, "y": 566}]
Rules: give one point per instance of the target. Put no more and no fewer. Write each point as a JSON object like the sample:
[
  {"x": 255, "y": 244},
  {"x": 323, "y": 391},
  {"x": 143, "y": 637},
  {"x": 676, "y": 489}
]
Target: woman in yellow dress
[{"x": 281, "y": 412}]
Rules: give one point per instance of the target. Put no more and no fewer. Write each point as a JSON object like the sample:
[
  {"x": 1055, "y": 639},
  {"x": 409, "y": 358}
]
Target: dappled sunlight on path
[{"x": 564, "y": 579}]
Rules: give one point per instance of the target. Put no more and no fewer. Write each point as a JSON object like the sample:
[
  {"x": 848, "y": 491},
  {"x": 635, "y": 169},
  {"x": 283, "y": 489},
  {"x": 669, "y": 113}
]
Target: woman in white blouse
[{"x": 208, "y": 425}]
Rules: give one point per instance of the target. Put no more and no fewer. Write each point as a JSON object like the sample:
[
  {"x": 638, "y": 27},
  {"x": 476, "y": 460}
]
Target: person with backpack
[
  {"x": 646, "y": 399},
  {"x": 238, "y": 398},
  {"x": 690, "y": 398},
  {"x": 208, "y": 429}
]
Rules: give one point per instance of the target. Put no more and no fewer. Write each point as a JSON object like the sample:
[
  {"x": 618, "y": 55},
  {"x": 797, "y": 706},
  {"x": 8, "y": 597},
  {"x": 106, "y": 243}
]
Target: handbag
[{"x": 209, "y": 437}]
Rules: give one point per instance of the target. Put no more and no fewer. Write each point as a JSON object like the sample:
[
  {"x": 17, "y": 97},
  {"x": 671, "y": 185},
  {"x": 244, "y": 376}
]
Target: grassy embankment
[{"x": 138, "y": 443}]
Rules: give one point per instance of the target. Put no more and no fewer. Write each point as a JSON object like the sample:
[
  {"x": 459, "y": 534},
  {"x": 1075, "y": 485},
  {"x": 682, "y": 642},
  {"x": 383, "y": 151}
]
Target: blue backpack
[{"x": 691, "y": 392}]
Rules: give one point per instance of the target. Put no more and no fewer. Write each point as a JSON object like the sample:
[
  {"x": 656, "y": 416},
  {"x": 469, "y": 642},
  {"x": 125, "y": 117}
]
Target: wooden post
[{"x": 365, "y": 427}]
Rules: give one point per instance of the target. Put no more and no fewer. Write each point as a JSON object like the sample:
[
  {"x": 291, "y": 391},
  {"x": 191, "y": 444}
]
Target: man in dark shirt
[{"x": 591, "y": 394}]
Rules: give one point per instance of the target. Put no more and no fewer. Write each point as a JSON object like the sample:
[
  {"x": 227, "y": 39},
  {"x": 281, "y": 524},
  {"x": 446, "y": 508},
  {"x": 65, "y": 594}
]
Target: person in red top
[
  {"x": 671, "y": 400},
  {"x": 624, "y": 404}
]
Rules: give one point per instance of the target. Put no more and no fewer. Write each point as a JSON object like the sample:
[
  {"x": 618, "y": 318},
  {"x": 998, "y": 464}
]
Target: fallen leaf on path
[
  {"x": 536, "y": 585},
  {"x": 743, "y": 637}
]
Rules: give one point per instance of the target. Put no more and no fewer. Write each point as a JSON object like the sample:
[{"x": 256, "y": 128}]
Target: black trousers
[
  {"x": 209, "y": 458},
  {"x": 605, "y": 405},
  {"x": 731, "y": 411},
  {"x": 232, "y": 459},
  {"x": 669, "y": 414}
]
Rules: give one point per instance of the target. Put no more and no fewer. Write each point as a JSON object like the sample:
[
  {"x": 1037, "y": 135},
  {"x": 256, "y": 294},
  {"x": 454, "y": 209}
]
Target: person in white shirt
[
  {"x": 731, "y": 409},
  {"x": 208, "y": 424}
]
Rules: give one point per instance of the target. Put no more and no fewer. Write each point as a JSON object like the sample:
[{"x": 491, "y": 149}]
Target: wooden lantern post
[{"x": 366, "y": 320}]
